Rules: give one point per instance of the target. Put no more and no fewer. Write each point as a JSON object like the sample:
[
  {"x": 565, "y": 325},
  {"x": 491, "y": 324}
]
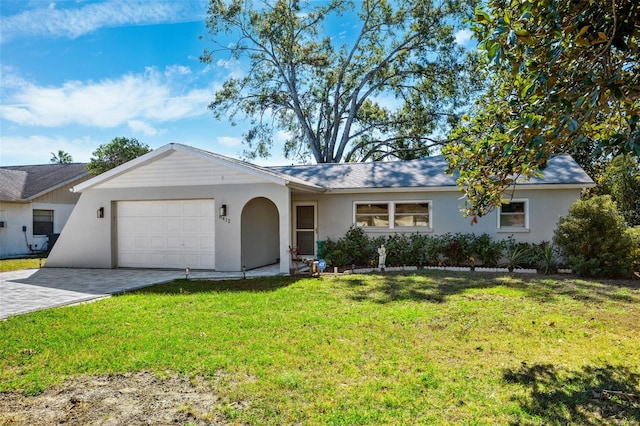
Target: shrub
[
  {"x": 593, "y": 239},
  {"x": 635, "y": 251},
  {"x": 398, "y": 250},
  {"x": 456, "y": 248},
  {"x": 356, "y": 247},
  {"x": 548, "y": 263},
  {"x": 487, "y": 251},
  {"x": 518, "y": 255},
  {"x": 333, "y": 253}
]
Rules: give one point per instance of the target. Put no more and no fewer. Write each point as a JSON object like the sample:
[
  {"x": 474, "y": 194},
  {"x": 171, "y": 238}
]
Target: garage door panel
[
  {"x": 156, "y": 225},
  {"x": 191, "y": 209},
  {"x": 173, "y": 225},
  {"x": 191, "y": 226},
  {"x": 174, "y": 210},
  {"x": 141, "y": 242},
  {"x": 166, "y": 234},
  {"x": 191, "y": 243},
  {"x": 157, "y": 243}
]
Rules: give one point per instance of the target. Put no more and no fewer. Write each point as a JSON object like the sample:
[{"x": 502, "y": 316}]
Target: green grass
[
  {"x": 24, "y": 263},
  {"x": 430, "y": 348}
]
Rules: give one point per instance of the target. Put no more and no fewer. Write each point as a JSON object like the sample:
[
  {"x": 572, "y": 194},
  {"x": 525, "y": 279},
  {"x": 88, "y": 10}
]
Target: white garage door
[{"x": 166, "y": 234}]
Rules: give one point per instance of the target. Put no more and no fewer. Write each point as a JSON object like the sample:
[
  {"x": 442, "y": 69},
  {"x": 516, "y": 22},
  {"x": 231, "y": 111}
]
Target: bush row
[{"x": 357, "y": 248}]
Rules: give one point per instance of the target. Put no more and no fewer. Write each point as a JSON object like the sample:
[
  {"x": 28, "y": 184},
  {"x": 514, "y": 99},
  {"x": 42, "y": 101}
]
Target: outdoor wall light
[
  {"x": 100, "y": 213},
  {"x": 223, "y": 210}
]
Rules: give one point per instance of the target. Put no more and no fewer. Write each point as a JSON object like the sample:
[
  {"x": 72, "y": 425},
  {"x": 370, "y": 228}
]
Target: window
[
  {"x": 514, "y": 214},
  {"x": 42, "y": 222},
  {"x": 393, "y": 215},
  {"x": 411, "y": 215},
  {"x": 372, "y": 215}
]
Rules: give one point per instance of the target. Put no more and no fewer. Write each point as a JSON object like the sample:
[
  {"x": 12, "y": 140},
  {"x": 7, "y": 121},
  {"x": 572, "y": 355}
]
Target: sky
[{"x": 76, "y": 74}]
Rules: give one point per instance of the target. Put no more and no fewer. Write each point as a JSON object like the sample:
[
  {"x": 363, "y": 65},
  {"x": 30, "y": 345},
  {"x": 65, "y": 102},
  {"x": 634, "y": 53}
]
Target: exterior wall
[
  {"x": 89, "y": 242},
  {"x": 12, "y": 239},
  {"x": 335, "y": 213},
  {"x": 17, "y": 215}
]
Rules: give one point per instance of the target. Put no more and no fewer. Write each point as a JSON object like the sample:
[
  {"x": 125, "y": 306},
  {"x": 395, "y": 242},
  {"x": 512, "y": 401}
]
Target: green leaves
[
  {"x": 564, "y": 77},
  {"x": 117, "y": 152}
]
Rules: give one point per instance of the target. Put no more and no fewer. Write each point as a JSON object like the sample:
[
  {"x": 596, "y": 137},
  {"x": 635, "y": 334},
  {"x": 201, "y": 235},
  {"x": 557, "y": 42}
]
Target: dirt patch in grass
[{"x": 135, "y": 399}]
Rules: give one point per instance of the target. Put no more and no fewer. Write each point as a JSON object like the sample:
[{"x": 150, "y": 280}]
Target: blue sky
[{"x": 76, "y": 74}]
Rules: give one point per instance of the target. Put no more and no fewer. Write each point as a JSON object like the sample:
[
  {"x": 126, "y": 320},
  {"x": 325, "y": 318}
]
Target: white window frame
[
  {"x": 391, "y": 208},
  {"x": 524, "y": 228}
]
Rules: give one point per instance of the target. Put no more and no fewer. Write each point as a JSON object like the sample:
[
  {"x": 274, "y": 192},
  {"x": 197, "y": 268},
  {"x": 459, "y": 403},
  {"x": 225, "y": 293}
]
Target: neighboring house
[
  {"x": 179, "y": 207},
  {"x": 35, "y": 203}
]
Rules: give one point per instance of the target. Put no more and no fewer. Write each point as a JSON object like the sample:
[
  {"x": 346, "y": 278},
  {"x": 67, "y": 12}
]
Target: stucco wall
[
  {"x": 89, "y": 242},
  {"x": 16, "y": 215},
  {"x": 335, "y": 213}
]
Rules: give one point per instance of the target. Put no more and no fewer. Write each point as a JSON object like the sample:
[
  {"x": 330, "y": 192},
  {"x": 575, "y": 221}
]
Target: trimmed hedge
[{"x": 357, "y": 248}]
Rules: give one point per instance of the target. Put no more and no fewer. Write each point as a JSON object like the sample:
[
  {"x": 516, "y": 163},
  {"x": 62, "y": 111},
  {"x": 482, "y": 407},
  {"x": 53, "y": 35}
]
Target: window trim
[
  {"x": 524, "y": 228},
  {"x": 391, "y": 208}
]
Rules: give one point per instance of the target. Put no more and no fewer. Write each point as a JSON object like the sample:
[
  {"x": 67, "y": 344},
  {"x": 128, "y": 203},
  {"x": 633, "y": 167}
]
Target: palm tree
[{"x": 61, "y": 157}]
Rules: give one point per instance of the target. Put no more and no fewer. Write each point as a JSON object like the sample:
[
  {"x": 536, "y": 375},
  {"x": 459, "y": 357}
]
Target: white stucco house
[
  {"x": 180, "y": 206},
  {"x": 35, "y": 203}
]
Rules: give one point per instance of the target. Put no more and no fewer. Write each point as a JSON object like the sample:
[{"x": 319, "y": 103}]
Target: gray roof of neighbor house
[
  {"x": 427, "y": 172},
  {"x": 24, "y": 183}
]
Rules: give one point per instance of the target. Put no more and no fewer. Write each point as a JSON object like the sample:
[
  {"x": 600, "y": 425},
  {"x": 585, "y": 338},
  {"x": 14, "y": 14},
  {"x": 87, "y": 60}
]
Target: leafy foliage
[
  {"x": 621, "y": 180},
  {"x": 594, "y": 240},
  {"x": 357, "y": 248},
  {"x": 397, "y": 78},
  {"x": 565, "y": 78},
  {"x": 117, "y": 152},
  {"x": 61, "y": 157}
]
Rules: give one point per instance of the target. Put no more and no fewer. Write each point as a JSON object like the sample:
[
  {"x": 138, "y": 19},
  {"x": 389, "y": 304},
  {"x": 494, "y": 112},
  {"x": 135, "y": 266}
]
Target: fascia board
[{"x": 457, "y": 189}]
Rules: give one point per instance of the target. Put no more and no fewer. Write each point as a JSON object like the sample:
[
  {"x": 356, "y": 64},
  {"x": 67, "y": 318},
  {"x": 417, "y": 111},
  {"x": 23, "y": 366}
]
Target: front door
[{"x": 305, "y": 229}]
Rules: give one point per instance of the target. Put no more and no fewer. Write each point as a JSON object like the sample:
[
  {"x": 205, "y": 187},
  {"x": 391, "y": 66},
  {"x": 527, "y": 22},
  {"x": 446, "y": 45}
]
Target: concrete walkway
[{"x": 34, "y": 289}]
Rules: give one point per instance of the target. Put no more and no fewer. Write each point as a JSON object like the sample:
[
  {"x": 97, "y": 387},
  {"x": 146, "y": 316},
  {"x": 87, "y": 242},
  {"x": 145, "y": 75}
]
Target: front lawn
[
  {"x": 428, "y": 348},
  {"x": 21, "y": 263}
]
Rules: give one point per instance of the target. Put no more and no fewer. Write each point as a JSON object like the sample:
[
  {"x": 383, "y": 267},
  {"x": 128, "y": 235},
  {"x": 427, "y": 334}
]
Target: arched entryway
[{"x": 260, "y": 229}]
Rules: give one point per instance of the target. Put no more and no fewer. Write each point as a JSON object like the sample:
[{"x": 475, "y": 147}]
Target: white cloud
[
  {"x": 138, "y": 126},
  {"x": 229, "y": 141},
  {"x": 179, "y": 70},
  {"x": 51, "y": 21},
  {"x": 463, "y": 36},
  {"x": 149, "y": 96},
  {"x": 37, "y": 149}
]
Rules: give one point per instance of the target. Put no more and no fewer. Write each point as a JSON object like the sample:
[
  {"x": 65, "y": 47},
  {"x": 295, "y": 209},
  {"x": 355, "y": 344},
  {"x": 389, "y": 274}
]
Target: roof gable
[
  {"x": 24, "y": 183},
  {"x": 181, "y": 165}
]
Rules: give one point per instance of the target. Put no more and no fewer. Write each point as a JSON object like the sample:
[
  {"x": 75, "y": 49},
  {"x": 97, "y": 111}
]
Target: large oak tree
[
  {"x": 388, "y": 87},
  {"x": 565, "y": 78}
]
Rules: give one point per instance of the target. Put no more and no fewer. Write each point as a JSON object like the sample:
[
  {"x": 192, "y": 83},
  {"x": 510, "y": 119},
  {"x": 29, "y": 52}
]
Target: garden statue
[{"x": 382, "y": 257}]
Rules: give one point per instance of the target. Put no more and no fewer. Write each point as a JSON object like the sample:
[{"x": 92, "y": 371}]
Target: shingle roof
[
  {"x": 423, "y": 173},
  {"x": 267, "y": 170},
  {"x": 23, "y": 183}
]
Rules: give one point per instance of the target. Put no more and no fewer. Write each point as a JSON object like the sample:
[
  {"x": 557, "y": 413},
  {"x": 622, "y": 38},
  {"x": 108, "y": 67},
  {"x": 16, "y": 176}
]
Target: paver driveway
[{"x": 33, "y": 289}]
